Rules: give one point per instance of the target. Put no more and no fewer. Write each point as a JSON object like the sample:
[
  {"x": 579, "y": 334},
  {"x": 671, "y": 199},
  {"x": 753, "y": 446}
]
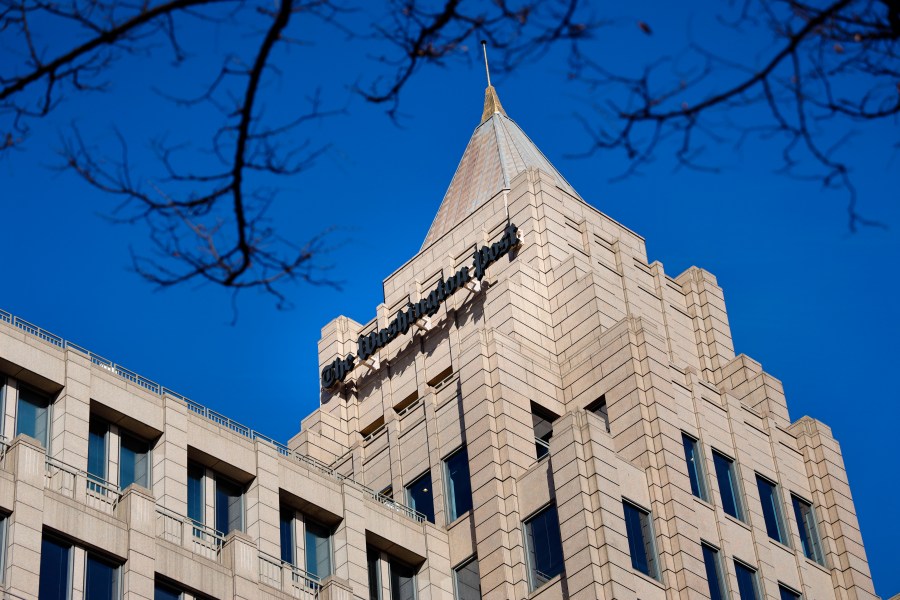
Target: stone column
[
  {"x": 263, "y": 505},
  {"x": 170, "y": 458},
  {"x": 26, "y": 458},
  {"x": 137, "y": 508},
  {"x": 241, "y": 556}
]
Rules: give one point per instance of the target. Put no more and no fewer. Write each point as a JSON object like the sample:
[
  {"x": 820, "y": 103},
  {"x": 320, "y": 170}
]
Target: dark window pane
[
  {"x": 459, "y": 485},
  {"x": 809, "y": 534},
  {"x": 771, "y": 507},
  {"x": 196, "y": 503},
  {"x": 468, "y": 581},
  {"x": 31, "y": 418},
  {"x": 746, "y": 578},
  {"x": 162, "y": 591},
  {"x": 786, "y": 594},
  {"x": 544, "y": 546},
  {"x": 714, "y": 573},
  {"x": 542, "y": 421},
  {"x": 420, "y": 497},
  {"x": 640, "y": 540},
  {"x": 229, "y": 507},
  {"x": 728, "y": 485},
  {"x": 403, "y": 582},
  {"x": 101, "y": 579},
  {"x": 287, "y": 536},
  {"x": 133, "y": 462},
  {"x": 694, "y": 466},
  {"x": 374, "y": 575},
  {"x": 54, "y": 578},
  {"x": 97, "y": 450},
  {"x": 318, "y": 550}
]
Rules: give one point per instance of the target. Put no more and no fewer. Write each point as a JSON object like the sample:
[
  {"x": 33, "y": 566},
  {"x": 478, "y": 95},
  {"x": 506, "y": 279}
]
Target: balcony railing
[
  {"x": 288, "y": 578},
  {"x": 4, "y": 448},
  {"x": 201, "y": 410},
  {"x": 189, "y": 534},
  {"x": 542, "y": 447},
  {"x": 83, "y": 487}
]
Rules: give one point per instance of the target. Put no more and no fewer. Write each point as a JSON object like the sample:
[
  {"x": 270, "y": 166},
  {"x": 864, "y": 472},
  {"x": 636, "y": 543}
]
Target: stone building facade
[{"x": 568, "y": 422}]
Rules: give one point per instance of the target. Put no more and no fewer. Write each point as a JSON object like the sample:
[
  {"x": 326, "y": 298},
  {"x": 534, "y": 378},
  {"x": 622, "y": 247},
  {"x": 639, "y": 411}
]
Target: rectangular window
[
  {"x": 288, "y": 545},
  {"x": 771, "y": 507},
  {"x": 134, "y": 462},
  {"x": 809, "y": 532},
  {"x": 641, "y": 543},
  {"x": 459, "y": 485},
  {"x": 467, "y": 581},
  {"x": 318, "y": 549},
  {"x": 229, "y": 506},
  {"x": 374, "y": 574},
  {"x": 101, "y": 581},
  {"x": 56, "y": 570},
  {"x": 696, "y": 473},
  {"x": 729, "y": 488},
  {"x": 2, "y": 545},
  {"x": 786, "y": 593},
  {"x": 543, "y": 545},
  {"x": 419, "y": 496},
  {"x": 598, "y": 407},
  {"x": 403, "y": 581},
  {"x": 97, "y": 457},
  {"x": 196, "y": 497},
  {"x": 161, "y": 591},
  {"x": 542, "y": 421},
  {"x": 748, "y": 588},
  {"x": 32, "y": 416},
  {"x": 714, "y": 575}
]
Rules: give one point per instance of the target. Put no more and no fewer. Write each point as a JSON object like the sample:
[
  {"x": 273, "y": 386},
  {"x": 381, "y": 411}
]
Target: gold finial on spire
[{"x": 491, "y": 100}]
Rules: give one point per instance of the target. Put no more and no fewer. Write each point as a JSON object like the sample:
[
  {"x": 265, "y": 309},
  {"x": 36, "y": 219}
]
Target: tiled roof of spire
[{"x": 497, "y": 152}]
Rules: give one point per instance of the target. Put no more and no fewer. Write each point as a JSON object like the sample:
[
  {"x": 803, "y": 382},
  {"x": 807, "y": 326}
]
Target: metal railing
[
  {"x": 4, "y": 448},
  {"x": 201, "y": 410},
  {"x": 189, "y": 534},
  {"x": 542, "y": 447},
  {"x": 287, "y": 577},
  {"x": 78, "y": 485}
]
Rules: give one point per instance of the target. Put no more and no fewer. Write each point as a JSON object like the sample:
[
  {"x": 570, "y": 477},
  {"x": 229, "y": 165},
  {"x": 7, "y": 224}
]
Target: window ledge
[
  {"x": 543, "y": 587},
  {"x": 737, "y": 521},
  {"x": 458, "y": 519},
  {"x": 647, "y": 578},
  {"x": 821, "y": 567},
  {"x": 703, "y": 502},
  {"x": 781, "y": 545}
]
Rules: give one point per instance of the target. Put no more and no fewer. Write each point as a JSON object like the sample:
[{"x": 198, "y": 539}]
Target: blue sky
[{"x": 814, "y": 304}]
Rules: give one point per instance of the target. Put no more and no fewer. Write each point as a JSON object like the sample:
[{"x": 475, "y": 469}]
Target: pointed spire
[{"x": 491, "y": 100}]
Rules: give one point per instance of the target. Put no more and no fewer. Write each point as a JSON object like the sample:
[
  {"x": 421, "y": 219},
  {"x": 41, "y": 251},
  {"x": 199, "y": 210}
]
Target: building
[{"x": 534, "y": 412}]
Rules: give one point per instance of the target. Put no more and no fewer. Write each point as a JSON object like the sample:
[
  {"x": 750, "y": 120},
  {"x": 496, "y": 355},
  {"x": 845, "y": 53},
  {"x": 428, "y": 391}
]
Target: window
[
  {"x": 542, "y": 421},
  {"x": 403, "y": 581},
  {"x": 56, "y": 569},
  {"x": 786, "y": 593},
  {"x": 641, "y": 543},
  {"x": 374, "y": 574},
  {"x": 196, "y": 496},
  {"x": 729, "y": 489},
  {"x": 161, "y": 591},
  {"x": 229, "y": 506},
  {"x": 543, "y": 544},
  {"x": 2, "y": 546},
  {"x": 459, "y": 485},
  {"x": 748, "y": 588},
  {"x": 771, "y": 507},
  {"x": 696, "y": 473},
  {"x": 318, "y": 549},
  {"x": 288, "y": 544},
  {"x": 809, "y": 533},
  {"x": 32, "y": 414},
  {"x": 598, "y": 407},
  {"x": 101, "y": 581},
  {"x": 2, "y": 404},
  {"x": 134, "y": 462},
  {"x": 714, "y": 575},
  {"x": 97, "y": 457},
  {"x": 467, "y": 581},
  {"x": 418, "y": 496}
]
